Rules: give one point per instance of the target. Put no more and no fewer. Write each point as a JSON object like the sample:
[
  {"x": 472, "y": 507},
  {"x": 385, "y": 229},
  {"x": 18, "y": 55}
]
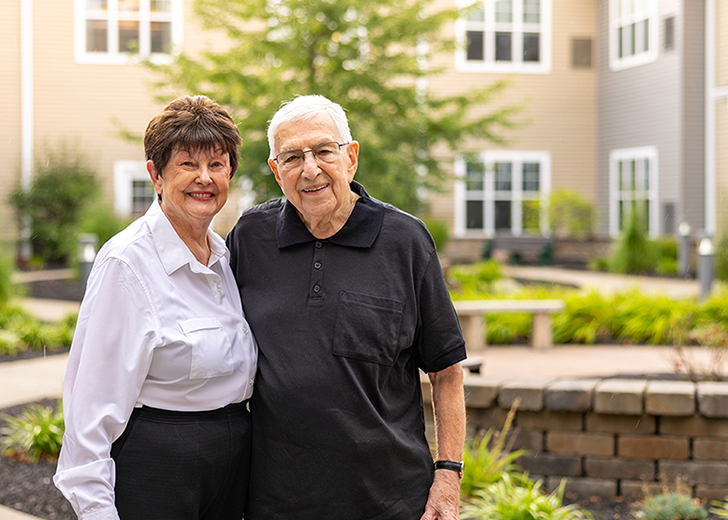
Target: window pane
[
  {"x": 97, "y": 36},
  {"x": 161, "y": 6},
  {"x": 475, "y": 45},
  {"x": 531, "y": 176},
  {"x": 128, "y": 36},
  {"x": 620, "y": 175},
  {"x": 620, "y": 43},
  {"x": 669, "y": 33},
  {"x": 503, "y": 214},
  {"x": 129, "y": 6},
  {"x": 646, "y": 174},
  {"x": 474, "y": 180},
  {"x": 97, "y": 5},
  {"x": 581, "y": 53},
  {"x": 474, "y": 217},
  {"x": 531, "y": 47},
  {"x": 503, "y": 176},
  {"x": 161, "y": 36},
  {"x": 503, "y": 46},
  {"x": 477, "y": 15},
  {"x": 504, "y": 11},
  {"x": 142, "y": 196},
  {"x": 532, "y": 11},
  {"x": 632, "y": 35},
  {"x": 645, "y": 35}
]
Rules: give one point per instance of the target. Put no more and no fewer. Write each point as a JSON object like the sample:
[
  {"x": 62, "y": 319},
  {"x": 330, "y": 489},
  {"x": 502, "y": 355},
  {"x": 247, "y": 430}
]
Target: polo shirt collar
[
  {"x": 360, "y": 230},
  {"x": 172, "y": 251}
]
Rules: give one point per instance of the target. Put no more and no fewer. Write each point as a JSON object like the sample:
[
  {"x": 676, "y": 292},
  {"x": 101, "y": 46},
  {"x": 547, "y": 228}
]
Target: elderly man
[{"x": 347, "y": 302}]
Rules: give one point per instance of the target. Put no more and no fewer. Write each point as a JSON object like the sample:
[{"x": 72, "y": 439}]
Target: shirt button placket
[{"x": 317, "y": 292}]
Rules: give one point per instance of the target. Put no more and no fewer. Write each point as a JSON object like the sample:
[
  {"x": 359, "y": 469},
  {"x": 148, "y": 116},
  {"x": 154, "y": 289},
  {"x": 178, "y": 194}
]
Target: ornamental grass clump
[
  {"x": 37, "y": 433},
  {"x": 521, "y": 498},
  {"x": 675, "y": 505},
  {"x": 489, "y": 458}
]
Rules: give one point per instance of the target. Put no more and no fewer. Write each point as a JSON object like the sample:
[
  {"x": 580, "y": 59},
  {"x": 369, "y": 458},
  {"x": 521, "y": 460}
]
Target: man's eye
[
  {"x": 291, "y": 159},
  {"x": 324, "y": 152}
]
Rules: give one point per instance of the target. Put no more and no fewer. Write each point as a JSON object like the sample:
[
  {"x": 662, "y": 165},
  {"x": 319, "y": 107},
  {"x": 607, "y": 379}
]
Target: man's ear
[
  {"x": 352, "y": 151},
  {"x": 274, "y": 168}
]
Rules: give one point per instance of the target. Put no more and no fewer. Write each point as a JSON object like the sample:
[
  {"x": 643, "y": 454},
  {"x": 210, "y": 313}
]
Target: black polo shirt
[{"x": 343, "y": 326}]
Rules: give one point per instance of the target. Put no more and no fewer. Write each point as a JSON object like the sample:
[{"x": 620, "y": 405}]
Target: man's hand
[{"x": 443, "y": 502}]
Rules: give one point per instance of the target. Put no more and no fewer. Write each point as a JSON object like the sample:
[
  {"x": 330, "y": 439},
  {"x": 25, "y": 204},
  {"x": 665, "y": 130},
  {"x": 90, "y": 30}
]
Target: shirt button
[
  {"x": 251, "y": 382},
  {"x": 245, "y": 330},
  {"x": 317, "y": 288},
  {"x": 319, "y": 244},
  {"x": 317, "y": 265}
]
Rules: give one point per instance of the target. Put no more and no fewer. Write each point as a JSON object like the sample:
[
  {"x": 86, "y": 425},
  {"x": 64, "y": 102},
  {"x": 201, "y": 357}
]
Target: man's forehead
[{"x": 296, "y": 134}]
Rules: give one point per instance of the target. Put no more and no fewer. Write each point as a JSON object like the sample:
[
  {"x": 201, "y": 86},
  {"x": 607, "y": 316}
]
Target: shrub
[
  {"x": 633, "y": 252},
  {"x": 586, "y": 318},
  {"x": 440, "y": 232},
  {"x": 103, "y": 222},
  {"x": 653, "y": 319},
  {"x": 520, "y": 499},
  {"x": 37, "y": 432},
  {"x": 10, "y": 343},
  {"x": 8, "y": 289},
  {"x": 63, "y": 185},
  {"x": 476, "y": 279},
  {"x": 570, "y": 215},
  {"x": 671, "y": 506}
]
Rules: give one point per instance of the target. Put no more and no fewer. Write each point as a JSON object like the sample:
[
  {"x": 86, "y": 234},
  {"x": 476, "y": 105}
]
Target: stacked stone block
[{"x": 610, "y": 437}]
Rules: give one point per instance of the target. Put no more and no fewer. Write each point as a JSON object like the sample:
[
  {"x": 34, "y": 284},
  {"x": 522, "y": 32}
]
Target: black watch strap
[{"x": 451, "y": 465}]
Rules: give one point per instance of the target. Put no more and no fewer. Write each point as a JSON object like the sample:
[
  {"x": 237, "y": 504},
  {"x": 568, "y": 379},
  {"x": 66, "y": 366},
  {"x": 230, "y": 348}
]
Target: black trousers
[{"x": 183, "y": 465}]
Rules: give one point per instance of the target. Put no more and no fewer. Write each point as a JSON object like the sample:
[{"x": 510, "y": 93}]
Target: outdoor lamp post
[
  {"x": 683, "y": 253},
  {"x": 87, "y": 244},
  {"x": 705, "y": 266}
]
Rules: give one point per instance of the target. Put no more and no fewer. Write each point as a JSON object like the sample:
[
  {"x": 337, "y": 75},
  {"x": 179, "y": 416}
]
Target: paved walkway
[{"x": 28, "y": 380}]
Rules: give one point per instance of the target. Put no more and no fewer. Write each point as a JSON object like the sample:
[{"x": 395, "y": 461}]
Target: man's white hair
[{"x": 304, "y": 108}]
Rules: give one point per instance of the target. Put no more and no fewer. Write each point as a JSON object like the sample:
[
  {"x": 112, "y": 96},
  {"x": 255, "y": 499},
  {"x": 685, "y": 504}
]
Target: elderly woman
[{"x": 162, "y": 363}]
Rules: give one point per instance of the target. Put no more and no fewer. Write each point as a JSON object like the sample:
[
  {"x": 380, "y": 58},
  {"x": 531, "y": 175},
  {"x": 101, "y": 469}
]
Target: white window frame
[
  {"x": 125, "y": 173},
  {"x": 517, "y": 27},
  {"x": 644, "y": 9},
  {"x": 640, "y": 154},
  {"x": 489, "y": 195},
  {"x": 113, "y": 56}
]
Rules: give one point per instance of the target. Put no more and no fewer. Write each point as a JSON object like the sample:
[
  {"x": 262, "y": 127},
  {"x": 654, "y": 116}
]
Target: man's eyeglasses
[{"x": 294, "y": 159}]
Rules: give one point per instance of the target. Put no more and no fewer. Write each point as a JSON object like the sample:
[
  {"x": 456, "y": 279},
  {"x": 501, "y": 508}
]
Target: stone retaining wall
[{"x": 610, "y": 437}]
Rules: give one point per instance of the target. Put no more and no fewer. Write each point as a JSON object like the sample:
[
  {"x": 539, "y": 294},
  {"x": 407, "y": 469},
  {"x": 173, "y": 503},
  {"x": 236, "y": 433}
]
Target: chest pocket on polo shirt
[
  {"x": 367, "y": 327},
  {"x": 211, "y": 349}
]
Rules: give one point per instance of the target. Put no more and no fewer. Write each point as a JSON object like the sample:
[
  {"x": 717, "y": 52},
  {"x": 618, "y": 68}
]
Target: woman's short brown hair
[{"x": 191, "y": 123}]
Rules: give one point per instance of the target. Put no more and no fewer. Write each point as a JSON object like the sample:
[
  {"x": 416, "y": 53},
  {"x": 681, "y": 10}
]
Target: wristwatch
[{"x": 451, "y": 465}]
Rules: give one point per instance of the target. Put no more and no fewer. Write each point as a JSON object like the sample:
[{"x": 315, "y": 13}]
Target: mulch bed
[{"x": 29, "y": 487}]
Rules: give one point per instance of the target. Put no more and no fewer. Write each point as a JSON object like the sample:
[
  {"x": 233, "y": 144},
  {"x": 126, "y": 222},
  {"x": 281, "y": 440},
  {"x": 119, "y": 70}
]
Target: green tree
[
  {"x": 366, "y": 55},
  {"x": 62, "y": 187}
]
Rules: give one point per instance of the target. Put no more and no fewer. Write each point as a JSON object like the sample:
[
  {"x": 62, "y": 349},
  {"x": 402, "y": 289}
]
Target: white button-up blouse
[{"x": 155, "y": 328}]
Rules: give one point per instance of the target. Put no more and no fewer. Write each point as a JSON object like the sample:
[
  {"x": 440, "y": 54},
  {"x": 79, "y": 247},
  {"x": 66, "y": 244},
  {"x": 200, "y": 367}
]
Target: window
[
  {"x": 133, "y": 190},
  {"x": 505, "y": 36},
  {"x": 633, "y": 188},
  {"x": 115, "y": 31},
  {"x": 581, "y": 53},
  {"x": 669, "y": 32},
  {"x": 633, "y": 34},
  {"x": 501, "y": 191}
]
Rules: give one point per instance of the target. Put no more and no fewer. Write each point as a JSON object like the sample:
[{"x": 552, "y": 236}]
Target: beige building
[{"x": 71, "y": 75}]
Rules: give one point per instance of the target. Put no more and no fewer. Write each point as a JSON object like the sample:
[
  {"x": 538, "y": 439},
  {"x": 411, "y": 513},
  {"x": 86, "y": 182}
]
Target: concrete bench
[{"x": 472, "y": 319}]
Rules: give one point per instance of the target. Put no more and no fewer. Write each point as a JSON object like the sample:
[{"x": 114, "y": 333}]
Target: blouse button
[{"x": 317, "y": 265}]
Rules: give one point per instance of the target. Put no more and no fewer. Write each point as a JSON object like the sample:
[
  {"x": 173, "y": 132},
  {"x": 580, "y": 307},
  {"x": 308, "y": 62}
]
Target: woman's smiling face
[{"x": 194, "y": 185}]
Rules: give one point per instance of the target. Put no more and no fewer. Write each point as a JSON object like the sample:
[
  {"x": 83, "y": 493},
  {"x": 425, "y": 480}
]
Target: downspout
[
  {"x": 26, "y": 114},
  {"x": 711, "y": 96}
]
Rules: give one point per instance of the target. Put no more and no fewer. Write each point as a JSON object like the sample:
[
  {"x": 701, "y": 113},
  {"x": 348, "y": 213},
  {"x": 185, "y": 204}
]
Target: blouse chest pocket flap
[
  {"x": 367, "y": 327},
  {"x": 210, "y": 347}
]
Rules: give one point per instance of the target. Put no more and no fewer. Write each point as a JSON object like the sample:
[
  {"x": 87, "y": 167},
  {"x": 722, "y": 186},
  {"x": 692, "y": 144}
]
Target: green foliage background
[{"x": 366, "y": 55}]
